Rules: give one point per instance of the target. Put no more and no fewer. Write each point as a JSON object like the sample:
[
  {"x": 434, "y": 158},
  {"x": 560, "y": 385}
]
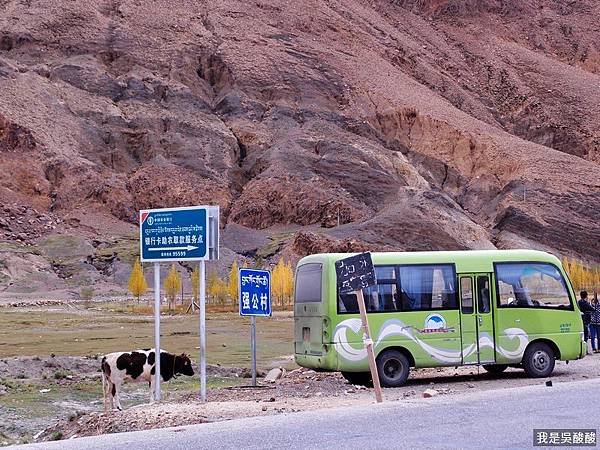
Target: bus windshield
[{"x": 531, "y": 285}]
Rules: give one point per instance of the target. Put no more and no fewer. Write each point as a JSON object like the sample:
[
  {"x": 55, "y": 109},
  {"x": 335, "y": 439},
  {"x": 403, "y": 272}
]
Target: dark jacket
[
  {"x": 595, "y": 314},
  {"x": 586, "y": 311}
]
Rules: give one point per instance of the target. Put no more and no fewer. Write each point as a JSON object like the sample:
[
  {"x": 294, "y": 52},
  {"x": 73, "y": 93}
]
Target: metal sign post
[
  {"x": 255, "y": 300},
  {"x": 202, "y": 331},
  {"x": 353, "y": 275},
  {"x": 253, "y": 344},
  {"x": 157, "y": 330},
  {"x": 180, "y": 234}
]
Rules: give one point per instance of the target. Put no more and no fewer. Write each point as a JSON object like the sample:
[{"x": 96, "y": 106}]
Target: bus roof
[{"x": 465, "y": 260}]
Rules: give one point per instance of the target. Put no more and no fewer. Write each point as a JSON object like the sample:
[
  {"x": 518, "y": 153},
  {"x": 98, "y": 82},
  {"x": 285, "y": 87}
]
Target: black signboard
[{"x": 355, "y": 273}]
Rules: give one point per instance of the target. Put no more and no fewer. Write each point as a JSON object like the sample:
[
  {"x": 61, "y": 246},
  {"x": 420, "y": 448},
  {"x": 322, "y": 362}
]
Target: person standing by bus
[
  {"x": 586, "y": 315},
  {"x": 595, "y": 324}
]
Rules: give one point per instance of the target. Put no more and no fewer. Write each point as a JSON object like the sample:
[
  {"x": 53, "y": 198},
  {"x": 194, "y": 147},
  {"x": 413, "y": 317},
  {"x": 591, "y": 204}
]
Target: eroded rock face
[
  {"x": 407, "y": 125},
  {"x": 270, "y": 201},
  {"x": 308, "y": 243},
  {"x": 14, "y": 138}
]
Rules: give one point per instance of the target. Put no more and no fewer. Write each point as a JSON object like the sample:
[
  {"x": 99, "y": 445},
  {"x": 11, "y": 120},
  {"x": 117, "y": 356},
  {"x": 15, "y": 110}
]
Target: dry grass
[{"x": 110, "y": 327}]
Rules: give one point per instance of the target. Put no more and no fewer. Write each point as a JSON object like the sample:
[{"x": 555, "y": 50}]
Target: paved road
[{"x": 490, "y": 419}]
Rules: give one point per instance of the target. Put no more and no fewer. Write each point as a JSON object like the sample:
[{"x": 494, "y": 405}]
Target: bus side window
[
  {"x": 424, "y": 287},
  {"x": 466, "y": 295}
]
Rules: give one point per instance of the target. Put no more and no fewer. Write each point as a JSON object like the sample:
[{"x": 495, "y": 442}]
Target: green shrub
[
  {"x": 60, "y": 375},
  {"x": 56, "y": 436}
]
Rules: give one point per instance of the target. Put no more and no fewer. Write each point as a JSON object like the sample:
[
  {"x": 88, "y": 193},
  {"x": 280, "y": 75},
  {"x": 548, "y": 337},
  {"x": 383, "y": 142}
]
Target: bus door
[{"x": 477, "y": 326}]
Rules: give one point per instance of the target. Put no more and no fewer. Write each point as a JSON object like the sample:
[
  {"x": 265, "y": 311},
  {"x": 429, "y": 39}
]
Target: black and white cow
[{"x": 139, "y": 366}]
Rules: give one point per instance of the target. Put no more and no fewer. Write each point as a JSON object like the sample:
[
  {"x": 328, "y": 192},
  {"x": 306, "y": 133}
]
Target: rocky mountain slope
[{"x": 315, "y": 125}]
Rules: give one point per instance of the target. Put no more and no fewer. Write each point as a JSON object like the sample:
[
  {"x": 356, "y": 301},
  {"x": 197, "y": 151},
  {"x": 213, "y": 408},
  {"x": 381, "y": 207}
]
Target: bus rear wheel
[
  {"x": 495, "y": 368},
  {"x": 359, "y": 378},
  {"x": 393, "y": 367},
  {"x": 538, "y": 360}
]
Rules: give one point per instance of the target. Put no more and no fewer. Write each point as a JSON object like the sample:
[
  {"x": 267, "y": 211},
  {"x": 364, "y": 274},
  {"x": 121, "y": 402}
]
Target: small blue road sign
[
  {"x": 255, "y": 292},
  {"x": 174, "y": 234}
]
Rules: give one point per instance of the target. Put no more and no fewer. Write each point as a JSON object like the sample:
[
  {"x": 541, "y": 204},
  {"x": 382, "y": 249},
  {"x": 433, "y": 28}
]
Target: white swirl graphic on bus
[{"x": 395, "y": 327}]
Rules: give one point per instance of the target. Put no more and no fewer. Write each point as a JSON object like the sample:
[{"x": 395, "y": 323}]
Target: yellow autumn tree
[
  {"x": 223, "y": 291},
  {"x": 212, "y": 285},
  {"x": 577, "y": 273},
  {"x": 137, "y": 282},
  {"x": 567, "y": 266},
  {"x": 582, "y": 275},
  {"x": 573, "y": 272},
  {"x": 234, "y": 282},
  {"x": 172, "y": 285},
  {"x": 288, "y": 289},
  {"x": 282, "y": 282},
  {"x": 195, "y": 279},
  {"x": 216, "y": 288}
]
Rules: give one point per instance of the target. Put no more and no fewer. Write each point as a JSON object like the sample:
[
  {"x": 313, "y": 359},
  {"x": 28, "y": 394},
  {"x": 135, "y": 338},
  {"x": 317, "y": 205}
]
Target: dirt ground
[{"x": 299, "y": 390}]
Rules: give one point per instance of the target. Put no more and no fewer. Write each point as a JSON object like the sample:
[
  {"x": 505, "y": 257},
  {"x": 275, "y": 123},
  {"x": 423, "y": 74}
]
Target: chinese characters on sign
[
  {"x": 255, "y": 292},
  {"x": 355, "y": 273},
  {"x": 564, "y": 437},
  {"x": 174, "y": 234}
]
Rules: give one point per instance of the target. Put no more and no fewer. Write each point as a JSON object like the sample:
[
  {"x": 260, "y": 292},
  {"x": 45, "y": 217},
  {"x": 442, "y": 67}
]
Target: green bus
[{"x": 494, "y": 308}]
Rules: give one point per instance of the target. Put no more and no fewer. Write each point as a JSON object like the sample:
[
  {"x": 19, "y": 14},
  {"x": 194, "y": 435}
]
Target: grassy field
[
  {"x": 30, "y": 404},
  {"x": 108, "y": 327}
]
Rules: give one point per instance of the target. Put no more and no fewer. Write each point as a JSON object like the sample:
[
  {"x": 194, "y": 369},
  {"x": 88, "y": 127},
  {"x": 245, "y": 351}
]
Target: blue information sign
[
  {"x": 255, "y": 292},
  {"x": 174, "y": 234}
]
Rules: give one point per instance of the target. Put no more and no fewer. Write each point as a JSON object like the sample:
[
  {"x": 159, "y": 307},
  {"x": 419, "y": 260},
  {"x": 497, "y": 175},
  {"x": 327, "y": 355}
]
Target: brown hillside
[{"x": 401, "y": 124}]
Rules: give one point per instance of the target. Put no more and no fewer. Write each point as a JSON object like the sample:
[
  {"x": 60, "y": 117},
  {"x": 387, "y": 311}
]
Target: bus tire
[
  {"x": 359, "y": 378},
  {"x": 495, "y": 368},
  {"x": 393, "y": 368},
  {"x": 538, "y": 360}
]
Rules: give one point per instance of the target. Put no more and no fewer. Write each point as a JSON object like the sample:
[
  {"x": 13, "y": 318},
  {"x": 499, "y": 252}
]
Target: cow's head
[{"x": 183, "y": 365}]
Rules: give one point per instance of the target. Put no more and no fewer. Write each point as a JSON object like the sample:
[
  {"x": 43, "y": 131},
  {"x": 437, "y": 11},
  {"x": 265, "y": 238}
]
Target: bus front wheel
[
  {"x": 393, "y": 367},
  {"x": 538, "y": 360}
]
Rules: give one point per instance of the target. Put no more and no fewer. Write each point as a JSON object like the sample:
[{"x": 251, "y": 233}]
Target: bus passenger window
[
  {"x": 425, "y": 287},
  {"x": 483, "y": 294},
  {"x": 347, "y": 303},
  {"x": 379, "y": 298},
  {"x": 466, "y": 295}
]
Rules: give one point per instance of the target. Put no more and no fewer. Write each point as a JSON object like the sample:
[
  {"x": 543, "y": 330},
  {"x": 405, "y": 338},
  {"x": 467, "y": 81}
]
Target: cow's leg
[
  {"x": 116, "y": 391},
  {"x": 111, "y": 394},
  {"x": 104, "y": 391}
]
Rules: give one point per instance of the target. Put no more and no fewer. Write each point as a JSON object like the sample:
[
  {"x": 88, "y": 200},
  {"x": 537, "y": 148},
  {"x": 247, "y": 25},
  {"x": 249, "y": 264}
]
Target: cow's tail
[{"x": 104, "y": 383}]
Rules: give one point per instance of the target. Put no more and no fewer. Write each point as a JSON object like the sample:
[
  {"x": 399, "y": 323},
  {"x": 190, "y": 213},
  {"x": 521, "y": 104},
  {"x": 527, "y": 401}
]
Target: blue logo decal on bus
[{"x": 435, "y": 323}]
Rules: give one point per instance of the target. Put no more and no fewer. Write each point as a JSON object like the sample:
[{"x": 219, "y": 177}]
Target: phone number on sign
[{"x": 172, "y": 254}]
